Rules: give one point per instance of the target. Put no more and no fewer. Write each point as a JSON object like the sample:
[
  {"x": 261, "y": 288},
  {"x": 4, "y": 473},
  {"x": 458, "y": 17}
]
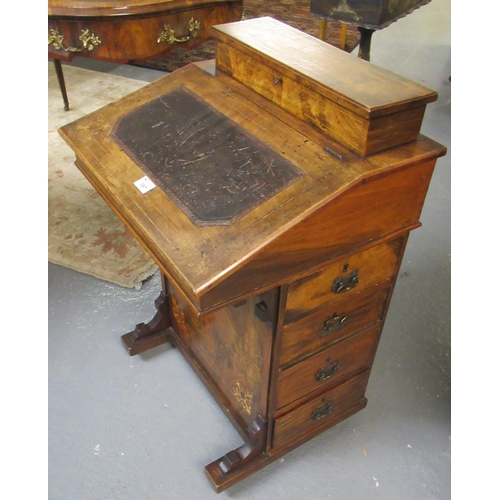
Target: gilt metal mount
[
  {"x": 168, "y": 33},
  {"x": 89, "y": 41}
]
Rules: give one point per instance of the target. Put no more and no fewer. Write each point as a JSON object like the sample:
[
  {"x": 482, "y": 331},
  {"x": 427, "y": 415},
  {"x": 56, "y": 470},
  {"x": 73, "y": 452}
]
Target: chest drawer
[
  {"x": 341, "y": 279},
  {"x": 329, "y": 366},
  {"x": 320, "y": 410},
  {"x": 331, "y": 324}
]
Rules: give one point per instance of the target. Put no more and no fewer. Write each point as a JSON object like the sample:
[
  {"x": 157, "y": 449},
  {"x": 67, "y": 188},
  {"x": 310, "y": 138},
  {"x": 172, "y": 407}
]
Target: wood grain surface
[
  {"x": 289, "y": 232},
  {"x": 366, "y": 108},
  {"x": 129, "y": 31}
]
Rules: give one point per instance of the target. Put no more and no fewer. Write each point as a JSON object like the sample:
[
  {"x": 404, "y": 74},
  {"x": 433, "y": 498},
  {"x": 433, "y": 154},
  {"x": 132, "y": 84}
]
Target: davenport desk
[{"x": 277, "y": 198}]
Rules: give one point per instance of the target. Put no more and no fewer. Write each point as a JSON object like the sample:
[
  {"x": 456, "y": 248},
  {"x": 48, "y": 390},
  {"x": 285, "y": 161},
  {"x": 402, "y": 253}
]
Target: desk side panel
[{"x": 233, "y": 348}]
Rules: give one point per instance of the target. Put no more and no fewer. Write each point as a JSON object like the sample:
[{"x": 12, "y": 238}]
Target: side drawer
[
  {"x": 331, "y": 365},
  {"x": 319, "y": 411},
  {"x": 332, "y": 324},
  {"x": 343, "y": 278}
]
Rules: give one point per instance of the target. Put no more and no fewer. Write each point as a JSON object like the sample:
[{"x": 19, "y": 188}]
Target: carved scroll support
[
  {"x": 236, "y": 463},
  {"x": 154, "y": 333}
]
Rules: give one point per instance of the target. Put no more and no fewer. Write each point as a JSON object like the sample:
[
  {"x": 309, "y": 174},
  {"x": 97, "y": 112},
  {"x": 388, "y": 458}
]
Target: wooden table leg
[
  {"x": 343, "y": 35},
  {"x": 323, "y": 25},
  {"x": 62, "y": 85},
  {"x": 322, "y": 29},
  {"x": 365, "y": 43}
]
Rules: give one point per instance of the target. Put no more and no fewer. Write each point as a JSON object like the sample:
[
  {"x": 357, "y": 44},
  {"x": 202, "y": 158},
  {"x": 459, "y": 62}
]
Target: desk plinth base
[
  {"x": 221, "y": 481},
  {"x": 138, "y": 345},
  {"x": 257, "y": 451}
]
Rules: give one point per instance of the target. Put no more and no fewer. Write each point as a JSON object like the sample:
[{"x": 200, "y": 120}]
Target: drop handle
[
  {"x": 334, "y": 324},
  {"x": 327, "y": 372},
  {"x": 168, "y": 33},
  {"x": 322, "y": 412},
  {"x": 343, "y": 284}
]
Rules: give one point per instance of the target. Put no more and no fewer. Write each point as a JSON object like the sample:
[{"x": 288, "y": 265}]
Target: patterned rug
[
  {"x": 84, "y": 234},
  {"x": 295, "y": 13}
]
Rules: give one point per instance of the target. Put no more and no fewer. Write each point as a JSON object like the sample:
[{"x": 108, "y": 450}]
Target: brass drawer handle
[
  {"x": 168, "y": 33},
  {"x": 344, "y": 284},
  {"x": 328, "y": 372},
  {"x": 334, "y": 324},
  {"x": 88, "y": 40},
  {"x": 322, "y": 412}
]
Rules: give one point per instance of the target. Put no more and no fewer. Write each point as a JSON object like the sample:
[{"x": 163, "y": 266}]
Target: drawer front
[
  {"x": 291, "y": 94},
  {"x": 259, "y": 77},
  {"x": 318, "y": 412},
  {"x": 327, "y": 367},
  {"x": 331, "y": 324},
  {"x": 343, "y": 278}
]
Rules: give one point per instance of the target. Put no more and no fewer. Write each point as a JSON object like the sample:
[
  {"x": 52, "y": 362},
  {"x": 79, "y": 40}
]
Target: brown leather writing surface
[{"x": 211, "y": 167}]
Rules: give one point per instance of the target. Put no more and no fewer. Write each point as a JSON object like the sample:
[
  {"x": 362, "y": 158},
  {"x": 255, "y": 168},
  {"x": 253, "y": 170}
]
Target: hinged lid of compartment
[{"x": 365, "y": 107}]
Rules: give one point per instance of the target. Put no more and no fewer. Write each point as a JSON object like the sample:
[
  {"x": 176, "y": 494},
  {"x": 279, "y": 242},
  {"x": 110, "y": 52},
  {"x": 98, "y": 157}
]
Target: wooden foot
[
  {"x": 62, "y": 85},
  {"x": 154, "y": 333},
  {"x": 239, "y": 463},
  {"x": 136, "y": 346}
]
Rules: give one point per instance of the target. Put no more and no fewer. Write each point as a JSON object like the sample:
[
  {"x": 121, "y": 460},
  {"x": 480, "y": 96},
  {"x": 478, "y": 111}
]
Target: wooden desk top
[
  {"x": 89, "y": 8},
  {"x": 200, "y": 257}
]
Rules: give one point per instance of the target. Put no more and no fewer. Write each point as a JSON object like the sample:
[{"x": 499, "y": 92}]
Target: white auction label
[{"x": 144, "y": 185}]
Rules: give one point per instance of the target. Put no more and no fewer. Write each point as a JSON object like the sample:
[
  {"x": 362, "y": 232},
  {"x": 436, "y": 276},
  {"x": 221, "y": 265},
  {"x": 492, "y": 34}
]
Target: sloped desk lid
[
  {"x": 211, "y": 167},
  {"x": 200, "y": 257}
]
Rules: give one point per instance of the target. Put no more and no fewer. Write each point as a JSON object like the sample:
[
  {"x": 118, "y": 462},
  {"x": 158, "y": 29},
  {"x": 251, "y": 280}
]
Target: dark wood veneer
[{"x": 279, "y": 312}]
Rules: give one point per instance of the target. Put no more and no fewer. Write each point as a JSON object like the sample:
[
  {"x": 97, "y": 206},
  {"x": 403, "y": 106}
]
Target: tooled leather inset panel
[{"x": 212, "y": 168}]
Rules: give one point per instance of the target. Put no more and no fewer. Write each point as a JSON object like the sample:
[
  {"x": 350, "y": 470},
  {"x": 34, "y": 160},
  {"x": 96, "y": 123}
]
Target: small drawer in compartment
[
  {"x": 319, "y": 411},
  {"x": 341, "y": 279},
  {"x": 332, "y": 324},
  {"x": 329, "y": 366},
  {"x": 264, "y": 80}
]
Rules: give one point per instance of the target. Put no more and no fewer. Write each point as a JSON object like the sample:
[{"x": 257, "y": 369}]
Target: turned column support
[
  {"x": 365, "y": 42},
  {"x": 156, "y": 332}
]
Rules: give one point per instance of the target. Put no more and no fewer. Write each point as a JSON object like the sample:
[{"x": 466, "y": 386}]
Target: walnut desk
[
  {"x": 284, "y": 195},
  {"x": 123, "y": 32}
]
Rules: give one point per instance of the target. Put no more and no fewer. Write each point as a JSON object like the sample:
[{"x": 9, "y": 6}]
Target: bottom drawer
[{"x": 313, "y": 414}]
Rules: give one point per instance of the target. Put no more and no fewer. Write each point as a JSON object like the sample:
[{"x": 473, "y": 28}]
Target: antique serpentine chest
[{"x": 284, "y": 195}]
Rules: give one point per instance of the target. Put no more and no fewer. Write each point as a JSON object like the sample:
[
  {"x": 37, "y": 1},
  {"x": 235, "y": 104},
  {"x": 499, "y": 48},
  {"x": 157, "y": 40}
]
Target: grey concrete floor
[{"x": 144, "y": 427}]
